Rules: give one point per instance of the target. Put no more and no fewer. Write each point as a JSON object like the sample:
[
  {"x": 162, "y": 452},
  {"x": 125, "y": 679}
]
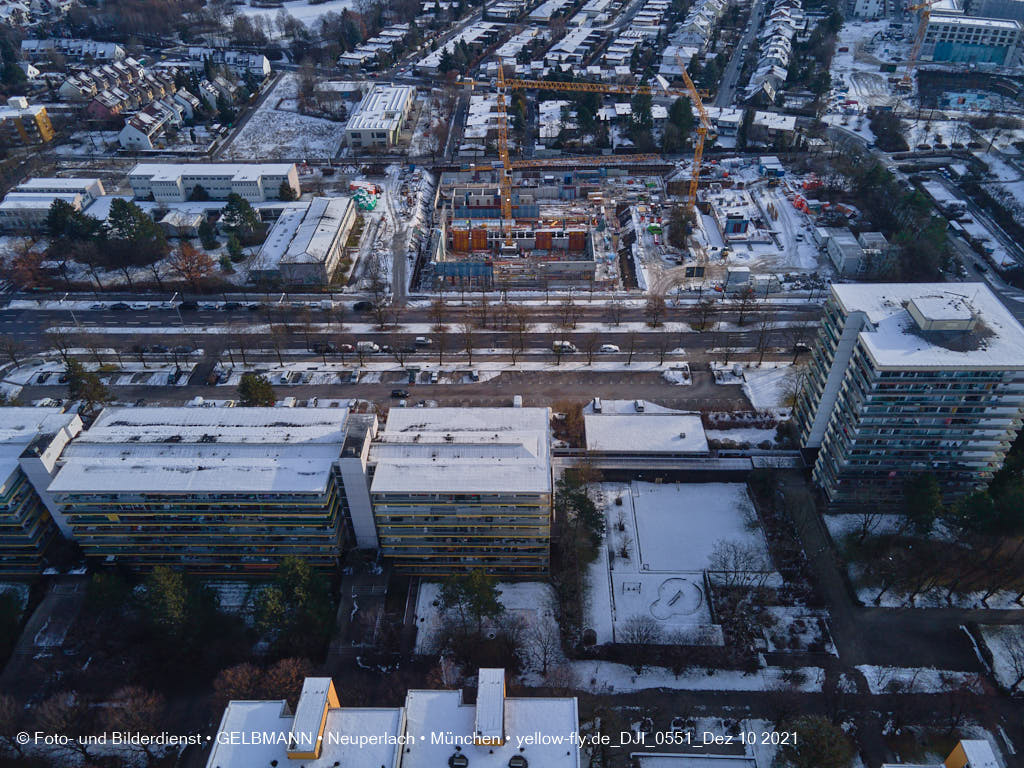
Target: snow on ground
[
  {"x": 934, "y": 132},
  {"x": 857, "y": 69},
  {"x": 766, "y": 386},
  {"x": 933, "y": 598},
  {"x": 917, "y": 679},
  {"x": 307, "y": 12},
  {"x": 658, "y": 542},
  {"x": 604, "y": 677},
  {"x": 1006, "y": 644},
  {"x": 751, "y": 435},
  {"x": 841, "y": 526},
  {"x": 533, "y": 602},
  {"x": 273, "y": 133}
]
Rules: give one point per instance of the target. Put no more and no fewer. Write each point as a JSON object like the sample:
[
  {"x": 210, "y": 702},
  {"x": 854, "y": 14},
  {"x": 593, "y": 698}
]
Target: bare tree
[
  {"x": 632, "y": 347},
  {"x": 481, "y": 311},
  {"x": 737, "y": 564},
  {"x": 1013, "y": 644},
  {"x": 705, "y": 309},
  {"x": 136, "y": 710},
  {"x": 793, "y": 385},
  {"x": 438, "y": 314},
  {"x": 468, "y": 338},
  {"x": 12, "y": 715},
  {"x": 654, "y": 310},
  {"x": 590, "y": 344},
  {"x": 69, "y": 715},
  {"x": 60, "y": 342},
  {"x": 398, "y": 350},
  {"x": 744, "y": 302},
  {"x": 521, "y": 320},
  {"x": 764, "y": 332},
  {"x": 638, "y": 632},
  {"x": 12, "y": 349},
  {"x": 570, "y": 311},
  {"x": 542, "y": 644},
  {"x": 614, "y": 310}
]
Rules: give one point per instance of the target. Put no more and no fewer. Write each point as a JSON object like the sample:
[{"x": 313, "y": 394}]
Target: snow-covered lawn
[
  {"x": 607, "y": 677},
  {"x": 658, "y": 542},
  {"x": 766, "y": 387},
  {"x": 918, "y": 679},
  {"x": 1006, "y": 644},
  {"x": 302, "y": 10},
  {"x": 532, "y": 602},
  {"x": 273, "y": 133}
]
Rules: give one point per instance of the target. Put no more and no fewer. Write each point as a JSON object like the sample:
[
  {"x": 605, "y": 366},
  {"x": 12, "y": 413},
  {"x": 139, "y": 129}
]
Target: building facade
[
  {"x": 214, "y": 490},
  {"x": 24, "y": 125},
  {"x": 305, "y": 246},
  {"x": 908, "y": 379},
  {"x": 30, "y": 441},
  {"x": 455, "y": 489},
  {"x": 378, "y": 119},
  {"x": 175, "y": 182},
  {"x": 956, "y": 38}
]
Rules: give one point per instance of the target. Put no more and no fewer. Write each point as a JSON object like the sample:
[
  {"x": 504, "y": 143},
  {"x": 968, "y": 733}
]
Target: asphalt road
[{"x": 729, "y": 83}]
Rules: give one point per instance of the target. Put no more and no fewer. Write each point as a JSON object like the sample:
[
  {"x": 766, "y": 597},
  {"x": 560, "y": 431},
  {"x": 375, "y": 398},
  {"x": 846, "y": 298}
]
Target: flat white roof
[
  {"x": 346, "y": 725},
  {"x": 204, "y": 450},
  {"x": 895, "y": 342},
  {"x": 20, "y": 426},
  {"x": 224, "y": 425},
  {"x": 382, "y": 109},
  {"x": 309, "y": 713},
  {"x": 47, "y": 183},
  {"x": 442, "y": 712},
  {"x": 490, "y": 705},
  {"x": 645, "y": 432},
  {"x": 463, "y": 450},
  {"x": 170, "y": 171}
]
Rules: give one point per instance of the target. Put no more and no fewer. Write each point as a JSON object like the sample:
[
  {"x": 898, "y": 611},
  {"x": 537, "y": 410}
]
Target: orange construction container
[
  {"x": 479, "y": 239},
  {"x": 544, "y": 241},
  {"x": 577, "y": 241},
  {"x": 460, "y": 240}
]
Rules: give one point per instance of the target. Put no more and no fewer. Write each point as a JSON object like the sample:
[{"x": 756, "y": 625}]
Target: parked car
[
  {"x": 422, "y": 341},
  {"x": 324, "y": 347},
  {"x": 119, "y": 306},
  {"x": 230, "y": 306},
  {"x": 97, "y": 306},
  {"x": 43, "y": 377},
  {"x": 139, "y": 306},
  {"x": 399, "y": 393},
  {"x": 362, "y": 306},
  {"x": 159, "y": 348},
  {"x": 183, "y": 349},
  {"x": 611, "y": 348},
  {"x": 188, "y": 306}
]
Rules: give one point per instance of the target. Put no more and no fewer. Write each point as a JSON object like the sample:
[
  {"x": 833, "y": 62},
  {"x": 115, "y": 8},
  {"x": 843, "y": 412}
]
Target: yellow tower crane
[
  {"x": 702, "y": 132},
  {"x": 926, "y": 12},
  {"x": 506, "y": 85}
]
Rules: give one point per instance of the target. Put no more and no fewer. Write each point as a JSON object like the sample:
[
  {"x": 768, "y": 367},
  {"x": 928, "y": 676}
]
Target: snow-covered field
[
  {"x": 530, "y": 601},
  {"x": 766, "y": 386},
  {"x": 857, "y": 68},
  {"x": 1006, "y": 643},
  {"x": 302, "y": 10},
  {"x": 657, "y": 544},
  {"x": 918, "y": 679},
  {"x": 276, "y": 134},
  {"x": 607, "y": 677}
]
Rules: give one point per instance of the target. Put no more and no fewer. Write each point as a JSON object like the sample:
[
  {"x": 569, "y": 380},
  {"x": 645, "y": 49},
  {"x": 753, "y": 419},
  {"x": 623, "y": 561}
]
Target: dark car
[
  {"x": 63, "y": 379},
  {"x": 159, "y": 348},
  {"x": 119, "y": 306},
  {"x": 231, "y": 306},
  {"x": 362, "y": 306},
  {"x": 43, "y": 377},
  {"x": 399, "y": 393},
  {"x": 980, "y": 267},
  {"x": 322, "y": 347},
  {"x": 254, "y": 307},
  {"x": 183, "y": 349},
  {"x": 188, "y": 306}
]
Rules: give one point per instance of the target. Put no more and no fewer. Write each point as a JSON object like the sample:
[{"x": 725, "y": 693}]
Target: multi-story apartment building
[
  {"x": 460, "y": 488},
  {"x": 215, "y": 490},
  {"x": 911, "y": 378},
  {"x": 30, "y": 441},
  {"x": 22, "y": 125},
  {"x": 175, "y": 182},
  {"x": 432, "y": 729}
]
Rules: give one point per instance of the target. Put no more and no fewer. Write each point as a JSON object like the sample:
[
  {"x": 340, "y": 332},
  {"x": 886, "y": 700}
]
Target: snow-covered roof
[
  {"x": 463, "y": 450},
  {"x": 193, "y": 450},
  {"x": 895, "y": 340},
  {"x": 172, "y": 171},
  {"x": 345, "y": 725},
  {"x": 20, "y": 426},
  {"x": 443, "y": 713},
  {"x": 650, "y": 431},
  {"x": 382, "y": 109},
  {"x": 490, "y": 706},
  {"x": 305, "y": 236}
]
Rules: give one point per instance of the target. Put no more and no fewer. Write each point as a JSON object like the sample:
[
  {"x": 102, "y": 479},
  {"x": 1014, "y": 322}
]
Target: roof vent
[
  {"x": 517, "y": 761},
  {"x": 458, "y": 760}
]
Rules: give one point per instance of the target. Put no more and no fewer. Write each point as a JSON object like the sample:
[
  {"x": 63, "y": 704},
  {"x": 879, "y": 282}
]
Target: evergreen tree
[{"x": 255, "y": 390}]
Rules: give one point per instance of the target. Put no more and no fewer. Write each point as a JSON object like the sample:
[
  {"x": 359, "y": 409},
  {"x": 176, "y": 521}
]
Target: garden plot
[
  {"x": 273, "y": 133},
  {"x": 532, "y": 602},
  {"x": 658, "y": 544},
  {"x": 798, "y": 630}
]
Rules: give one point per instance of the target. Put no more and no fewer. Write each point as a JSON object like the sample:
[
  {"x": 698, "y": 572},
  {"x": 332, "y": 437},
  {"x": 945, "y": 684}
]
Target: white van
[{"x": 563, "y": 346}]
